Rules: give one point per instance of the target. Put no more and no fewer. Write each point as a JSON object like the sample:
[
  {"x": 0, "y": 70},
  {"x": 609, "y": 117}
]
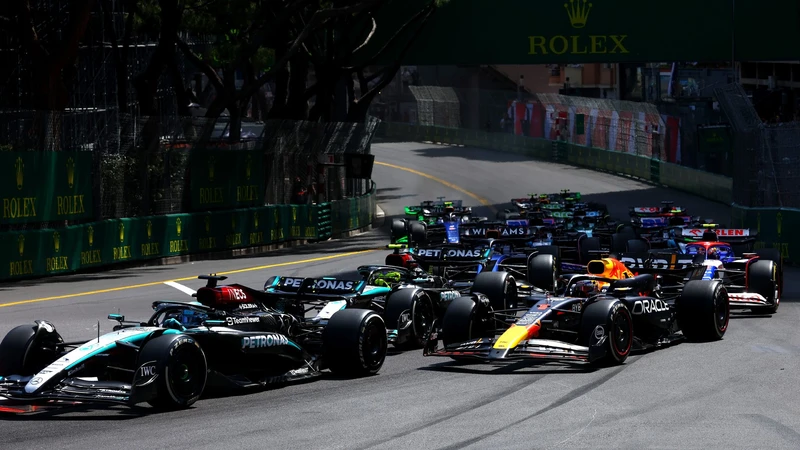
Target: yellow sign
[
  {"x": 178, "y": 226},
  {"x": 577, "y": 44},
  {"x": 121, "y": 232},
  {"x": 56, "y": 242},
  {"x": 21, "y": 244},
  {"x": 255, "y": 220},
  {"x": 90, "y": 230},
  {"x": 70, "y": 172}
]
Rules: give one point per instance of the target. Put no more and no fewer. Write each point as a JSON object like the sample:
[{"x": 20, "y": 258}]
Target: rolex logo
[
  {"x": 56, "y": 242},
  {"x": 208, "y": 224},
  {"x": 19, "y": 168},
  {"x": 211, "y": 161},
  {"x": 255, "y": 220},
  {"x": 149, "y": 229},
  {"x": 233, "y": 222},
  {"x": 70, "y": 172},
  {"x": 91, "y": 235},
  {"x": 275, "y": 214},
  {"x": 247, "y": 167},
  {"x": 178, "y": 226},
  {"x": 294, "y": 214},
  {"x": 578, "y": 12},
  {"x": 121, "y": 232},
  {"x": 21, "y": 244}
]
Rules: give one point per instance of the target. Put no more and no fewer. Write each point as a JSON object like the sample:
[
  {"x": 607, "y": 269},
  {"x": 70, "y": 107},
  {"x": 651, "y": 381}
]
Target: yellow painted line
[
  {"x": 156, "y": 283},
  {"x": 452, "y": 186}
]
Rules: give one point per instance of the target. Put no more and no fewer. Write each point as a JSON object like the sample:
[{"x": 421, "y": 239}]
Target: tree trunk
[
  {"x": 297, "y": 104},
  {"x": 281, "y": 93}
]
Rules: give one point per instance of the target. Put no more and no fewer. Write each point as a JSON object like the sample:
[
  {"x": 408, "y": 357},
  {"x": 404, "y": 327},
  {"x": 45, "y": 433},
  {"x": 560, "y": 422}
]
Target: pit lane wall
[
  {"x": 770, "y": 223},
  {"x": 37, "y": 253}
]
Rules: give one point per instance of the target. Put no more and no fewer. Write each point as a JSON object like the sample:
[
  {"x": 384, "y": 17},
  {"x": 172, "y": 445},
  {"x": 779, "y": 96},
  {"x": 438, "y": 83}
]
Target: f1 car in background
[
  {"x": 585, "y": 324},
  {"x": 753, "y": 279},
  {"x": 233, "y": 337}
]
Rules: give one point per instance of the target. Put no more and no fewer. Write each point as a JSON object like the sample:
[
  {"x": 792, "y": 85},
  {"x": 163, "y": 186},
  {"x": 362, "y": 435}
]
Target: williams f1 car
[
  {"x": 587, "y": 324},
  {"x": 232, "y": 337}
]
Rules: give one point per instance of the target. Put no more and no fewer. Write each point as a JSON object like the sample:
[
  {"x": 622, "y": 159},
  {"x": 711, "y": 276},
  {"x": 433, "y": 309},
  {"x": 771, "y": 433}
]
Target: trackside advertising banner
[{"x": 45, "y": 186}]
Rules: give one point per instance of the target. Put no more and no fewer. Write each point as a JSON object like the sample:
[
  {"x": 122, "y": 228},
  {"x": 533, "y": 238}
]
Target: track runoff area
[{"x": 734, "y": 392}]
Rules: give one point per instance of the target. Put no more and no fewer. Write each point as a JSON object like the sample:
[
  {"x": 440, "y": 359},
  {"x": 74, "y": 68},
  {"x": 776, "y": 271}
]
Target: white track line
[{"x": 180, "y": 287}]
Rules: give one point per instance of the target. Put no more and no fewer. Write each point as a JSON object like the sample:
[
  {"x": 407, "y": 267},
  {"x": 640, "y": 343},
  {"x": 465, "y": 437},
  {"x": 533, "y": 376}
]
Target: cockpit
[
  {"x": 187, "y": 317},
  {"x": 717, "y": 251}
]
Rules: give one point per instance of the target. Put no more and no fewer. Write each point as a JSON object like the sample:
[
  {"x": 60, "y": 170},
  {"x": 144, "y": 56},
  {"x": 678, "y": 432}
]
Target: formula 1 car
[
  {"x": 408, "y": 300},
  {"x": 232, "y": 337},
  {"x": 429, "y": 211},
  {"x": 754, "y": 279},
  {"x": 584, "y": 325}
]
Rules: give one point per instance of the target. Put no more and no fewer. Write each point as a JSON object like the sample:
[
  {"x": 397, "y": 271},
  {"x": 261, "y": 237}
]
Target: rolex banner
[
  {"x": 226, "y": 179},
  {"x": 45, "y": 186}
]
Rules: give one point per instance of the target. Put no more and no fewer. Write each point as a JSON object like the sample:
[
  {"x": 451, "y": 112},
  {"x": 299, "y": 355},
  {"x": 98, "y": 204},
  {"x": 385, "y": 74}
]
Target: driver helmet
[
  {"x": 189, "y": 318},
  {"x": 713, "y": 253},
  {"x": 386, "y": 279},
  {"x": 584, "y": 289}
]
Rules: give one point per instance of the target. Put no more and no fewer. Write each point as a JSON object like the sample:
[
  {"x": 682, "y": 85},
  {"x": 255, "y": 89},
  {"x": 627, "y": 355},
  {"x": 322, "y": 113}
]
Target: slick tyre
[
  {"x": 499, "y": 287},
  {"x": 612, "y": 321},
  {"x": 586, "y": 246},
  {"x": 419, "y": 232},
  {"x": 354, "y": 343},
  {"x": 637, "y": 245},
  {"x": 543, "y": 272},
  {"x": 619, "y": 242},
  {"x": 399, "y": 229},
  {"x": 703, "y": 310},
  {"x": 181, "y": 370},
  {"x": 464, "y": 320},
  {"x": 27, "y": 349},
  {"x": 762, "y": 278},
  {"x": 411, "y": 313}
]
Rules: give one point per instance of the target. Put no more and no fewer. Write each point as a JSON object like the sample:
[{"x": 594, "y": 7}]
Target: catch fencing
[
  {"x": 766, "y": 169},
  {"x": 148, "y": 166}
]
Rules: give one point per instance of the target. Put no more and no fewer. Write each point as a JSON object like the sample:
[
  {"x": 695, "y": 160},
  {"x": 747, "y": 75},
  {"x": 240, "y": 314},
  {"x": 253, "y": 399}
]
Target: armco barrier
[
  {"x": 773, "y": 225},
  {"x": 36, "y": 253}
]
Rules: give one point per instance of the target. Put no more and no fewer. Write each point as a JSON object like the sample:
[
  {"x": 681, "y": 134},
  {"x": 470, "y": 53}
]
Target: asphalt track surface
[{"x": 740, "y": 392}]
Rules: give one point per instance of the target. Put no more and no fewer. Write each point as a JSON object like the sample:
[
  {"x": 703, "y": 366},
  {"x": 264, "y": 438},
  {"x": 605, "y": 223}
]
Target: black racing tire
[
  {"x": 617, "y": 327},
  {"x": 628, "y": 229},
  {"x": 619, "y": 242},
  {"x": 773, "y": 254},
  {"x": 588, "y": 244},
  {"x": 499, "y": 287},
  {"x": 419, "y": 232},
  {"x": 354, "y": 343},
  {"x": 461, "y": 321},
  {"x": 25, "y": 350},
  {"x": 181, "y": 367},
  {"x": 543, "y": 272},
  {"x": 703, "y": 310},
  {"x": 399, "y": 229},
  {"x": 762, "y": 278},
  {"x": 637, "y": 246},
  {"x": 418, "y": 307}
]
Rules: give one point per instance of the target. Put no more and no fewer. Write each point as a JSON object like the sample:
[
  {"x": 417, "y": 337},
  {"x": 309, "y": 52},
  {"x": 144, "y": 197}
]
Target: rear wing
[
  {"x": 510, "y": 229},
  {"x": 452, "y": 254},
  {"x": 721, "y": 234},
  {"x": 311, "y": 287},
  {"x": 662, "y": 221},
  {"x": 657, "y": 262},
  {"x": 665, "y": 208}
]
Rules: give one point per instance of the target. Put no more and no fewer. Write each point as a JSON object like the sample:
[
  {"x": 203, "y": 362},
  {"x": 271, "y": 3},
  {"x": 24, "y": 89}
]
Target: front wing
[
  {"x": 543, "y": 350},
  {"x": 744, "y": 300}
]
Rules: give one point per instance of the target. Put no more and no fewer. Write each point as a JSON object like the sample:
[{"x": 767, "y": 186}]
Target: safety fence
[
  {"x": 142, "y": 166},
  {"x": 101, "y": 244},
  {"x": 773, "y": 225}
]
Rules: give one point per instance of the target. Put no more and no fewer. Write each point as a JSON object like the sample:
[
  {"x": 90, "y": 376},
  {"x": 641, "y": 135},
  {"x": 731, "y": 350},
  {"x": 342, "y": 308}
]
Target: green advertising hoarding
[
  {"x": 226, "y": 179},
  {"x": 45, "y": 186},
  {"x": 481, "y": 32}
]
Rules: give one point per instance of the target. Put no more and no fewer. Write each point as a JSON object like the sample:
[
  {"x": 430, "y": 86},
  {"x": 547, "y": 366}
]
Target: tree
[{"x": 51, "y": 61}]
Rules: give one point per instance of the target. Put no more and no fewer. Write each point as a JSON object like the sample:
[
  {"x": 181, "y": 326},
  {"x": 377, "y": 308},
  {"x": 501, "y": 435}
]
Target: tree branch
[
  {"x": 423, "y": 12},
  {"x": 204, "y": 67},
  {"x": 367, "y": 98},
  {"x": 318, "y": 19},
  {"x": 369, "y": 36}
]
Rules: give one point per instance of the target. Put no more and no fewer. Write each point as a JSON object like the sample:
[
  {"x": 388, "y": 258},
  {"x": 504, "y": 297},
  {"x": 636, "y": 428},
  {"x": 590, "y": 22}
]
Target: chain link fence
[
  {"x": 766, "y": 171},
  {"x": 141, "y": 164}
]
